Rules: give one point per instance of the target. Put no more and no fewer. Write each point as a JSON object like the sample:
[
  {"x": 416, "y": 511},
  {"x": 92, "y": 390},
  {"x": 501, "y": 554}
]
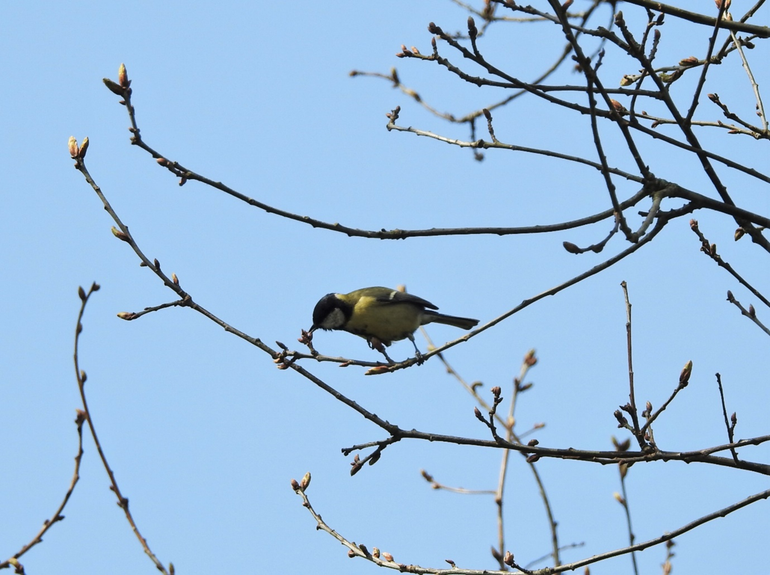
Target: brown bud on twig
[
  {"x": 355, "y": 465},
  {"x": 81, "y": 293},
  {"x": 752, "y": 311},
  {"x": 472, "y": 30},
  {"x": 120, "y": 235},
  {"x": 571, "y": 248},
  {"x": 689, "y": 61},
  {"x": 72, "y": 144},
  {"x": 123, "y": 76},
  {"x": 294, "y": 485},
  {"x": 618, "y": 107},
  {"x": 621, "y": 445},
  {"x": 113, "y": 87},
  {"x": 305, "y": 483},
  {"x": 377, "y": 370},
  {"x": 387, "y": 556},
  {"x": 684, "y": 377},
  {"x": 530, "y": 358},
  {"x": 739, "y": 233},
  {"x": 508, "y": 559},
  {"x": 83, "y": 148}
]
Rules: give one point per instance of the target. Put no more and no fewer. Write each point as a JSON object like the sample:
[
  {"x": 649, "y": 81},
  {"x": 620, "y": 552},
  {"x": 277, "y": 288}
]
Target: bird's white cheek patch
[{"x": 334, "y": 320}]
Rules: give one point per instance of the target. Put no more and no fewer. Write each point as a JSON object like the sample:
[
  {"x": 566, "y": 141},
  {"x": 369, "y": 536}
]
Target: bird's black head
[{"x": 331, "y": 313}]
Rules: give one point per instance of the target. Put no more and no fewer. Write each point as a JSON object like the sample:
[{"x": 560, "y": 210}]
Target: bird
[{"x": 381, "y": 316}]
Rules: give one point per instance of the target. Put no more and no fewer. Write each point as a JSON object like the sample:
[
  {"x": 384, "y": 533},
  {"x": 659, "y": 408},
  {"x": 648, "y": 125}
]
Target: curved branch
[
  {"x": 760, "y": 31},
  {"x": 122, "y": 501},
  {"x": 57, "y": 515}
]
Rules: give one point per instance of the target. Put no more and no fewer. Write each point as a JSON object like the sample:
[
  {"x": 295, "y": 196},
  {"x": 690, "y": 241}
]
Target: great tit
[{"x": 380, "y": 315}]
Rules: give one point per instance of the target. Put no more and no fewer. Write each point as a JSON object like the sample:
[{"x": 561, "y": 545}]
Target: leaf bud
[
  {"x": 123, "y": 76},
  {"x": 472, "y": 30},
  {"x": 83, "y": 148},
  {"x": 113, "y": 87},
  {"x": 571, "y": 248},
  {"x": 119, "y": 234},
  {"x": 684, "y": 377},
  {"x": 72, "y": 144}
]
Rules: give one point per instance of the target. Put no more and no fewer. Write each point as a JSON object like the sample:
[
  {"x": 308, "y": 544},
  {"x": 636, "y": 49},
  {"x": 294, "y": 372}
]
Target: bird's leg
[
  {"x": 418, "y": 355},
  {"x": 378, "y": 345}
]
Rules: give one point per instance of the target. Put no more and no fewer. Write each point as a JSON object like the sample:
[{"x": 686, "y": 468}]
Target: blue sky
[{"x": 204, "y": 433}]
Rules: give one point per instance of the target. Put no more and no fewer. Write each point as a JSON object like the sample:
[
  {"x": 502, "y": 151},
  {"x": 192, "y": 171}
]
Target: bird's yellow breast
[{"x": 386, "y": 321}]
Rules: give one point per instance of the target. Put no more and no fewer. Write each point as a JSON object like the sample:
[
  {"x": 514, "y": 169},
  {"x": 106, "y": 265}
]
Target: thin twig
[
  {"x": 754, "y": 85},
  {"x": 384, "y": 559},
  {"x": 631, "y": 407},
  {"x": 81, "y": 380},
  {"x": 623, "y": 500},
  {"x": 760, "y": 31},
  {"x": 730, "y": 427},
  {"x": 711, "y": 251},
  {"x": 749, "y": 313},
  {"x": 57, "y": 515}
]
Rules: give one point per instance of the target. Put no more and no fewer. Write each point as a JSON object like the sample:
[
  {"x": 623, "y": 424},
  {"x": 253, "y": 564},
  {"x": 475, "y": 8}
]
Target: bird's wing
[{"x": 395, "y": 296}]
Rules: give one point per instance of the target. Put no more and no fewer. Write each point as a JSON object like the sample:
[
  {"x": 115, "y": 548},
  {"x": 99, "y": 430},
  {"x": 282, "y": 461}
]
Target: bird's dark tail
[{"x": 461, "y": 322}]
